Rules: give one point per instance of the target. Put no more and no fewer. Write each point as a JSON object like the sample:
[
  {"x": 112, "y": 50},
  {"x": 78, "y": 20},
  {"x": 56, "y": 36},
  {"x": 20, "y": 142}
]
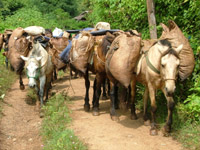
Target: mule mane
[{"x": 170, "y": 51}]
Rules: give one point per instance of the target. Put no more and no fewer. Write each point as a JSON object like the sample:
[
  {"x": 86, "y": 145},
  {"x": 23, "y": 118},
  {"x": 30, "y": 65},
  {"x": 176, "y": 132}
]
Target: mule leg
[
  {"x": 99, "y": 81},
  {"x": 22, "y": 87},
  {"x": 145, "y": 102},
  {"x": 70, "y": 70},
  {"x": 94, "y": 90},
  {"x": 123, "y": 99},
  {"x": 116, "y": 97},
  {"x": 152, "y": 91},
  {"x": 6, "y": 61},
  {"x": 132, "y": 99},
  {"x": 113, "y": 102},
  {"x": 48, "y": 86},
  {"x": 41, "y": 93},
  {"x": 55, "y": 74},
  {"x": 104, "y": 97},
  {"x": 87, "y": 85},
  {"x": 170, "y": 106},
  {"x": 108, "y": 82}
]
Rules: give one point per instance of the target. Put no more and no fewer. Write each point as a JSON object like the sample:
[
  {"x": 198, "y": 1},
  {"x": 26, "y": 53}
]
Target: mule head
[
  {"x": 32, "y": 69},
  {"x": 169, "y": 68}
]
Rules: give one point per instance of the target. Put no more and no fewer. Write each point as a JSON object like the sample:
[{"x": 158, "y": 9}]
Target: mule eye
[
  {"x": 178, "y": 66},
  {"x": 163, "y": 66}
]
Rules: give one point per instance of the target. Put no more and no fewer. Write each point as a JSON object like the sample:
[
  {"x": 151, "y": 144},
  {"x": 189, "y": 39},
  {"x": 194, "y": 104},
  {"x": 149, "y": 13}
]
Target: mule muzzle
[
  {"x": 169, "y": 93},
  {"x": 32, "y": 86}
]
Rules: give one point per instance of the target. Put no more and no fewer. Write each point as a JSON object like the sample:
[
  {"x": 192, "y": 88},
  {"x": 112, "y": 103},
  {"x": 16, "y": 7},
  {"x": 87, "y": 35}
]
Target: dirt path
[
  {"x": 101, "y": 133},
  {"x": 19, "y": 127}
]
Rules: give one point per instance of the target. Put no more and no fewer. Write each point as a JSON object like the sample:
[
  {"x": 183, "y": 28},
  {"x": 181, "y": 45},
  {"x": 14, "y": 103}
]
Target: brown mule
[
  {"x": 18, "y": 45},
  {"x": 102, "y": 44},
  {"x": 121, "y": 61}
]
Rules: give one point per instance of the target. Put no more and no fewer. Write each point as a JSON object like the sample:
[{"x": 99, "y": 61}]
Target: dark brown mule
[
  {"x": 18, "y": 45},
  {"x": 80, "y": 58},
  {"x": 102, "y": 44},
  {"x": 57, "y": 45},
  {"x": 121, "y": 61}
]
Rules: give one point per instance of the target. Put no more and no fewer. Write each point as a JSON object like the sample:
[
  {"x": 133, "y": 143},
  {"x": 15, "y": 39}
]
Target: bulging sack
[
  {"x": 174, "y": 35},
  {"x": 102, "y": 25},
  {"x": 123, "y": 56},
  {"x": 34, "y": 30},
  {"x": 80, "y": 53},
  {"x": 57, "y": 32}
]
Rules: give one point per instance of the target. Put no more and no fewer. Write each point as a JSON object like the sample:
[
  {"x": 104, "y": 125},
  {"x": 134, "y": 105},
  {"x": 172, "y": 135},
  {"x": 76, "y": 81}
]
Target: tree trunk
[{"x": 152, "y": 19}]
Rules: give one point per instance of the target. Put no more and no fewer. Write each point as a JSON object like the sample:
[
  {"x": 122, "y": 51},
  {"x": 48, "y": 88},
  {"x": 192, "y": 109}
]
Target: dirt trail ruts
[
  {"x": 20, "y": 124},
  {"x": 101, "y": 133}
]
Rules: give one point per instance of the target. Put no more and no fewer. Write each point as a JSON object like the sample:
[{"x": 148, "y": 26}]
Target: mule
[
  {"x": 18, "y": 44},
  {"x": 6, "y": 35},
  {"x": 57, "y": 45},
  {"x": 80, "y": 57},
  {"x": 121, "y": 61},
  {"x": 102, "y": 44},
  {"x": 158, "y": 69},
  {"x": 39, "y": 69}
]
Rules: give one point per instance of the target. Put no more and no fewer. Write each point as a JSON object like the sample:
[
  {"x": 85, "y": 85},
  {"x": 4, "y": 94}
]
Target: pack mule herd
[{"x": 121, "y": 57}]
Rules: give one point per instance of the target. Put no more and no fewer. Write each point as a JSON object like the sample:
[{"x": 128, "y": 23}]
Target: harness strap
[{"x": 149, "y": 64}]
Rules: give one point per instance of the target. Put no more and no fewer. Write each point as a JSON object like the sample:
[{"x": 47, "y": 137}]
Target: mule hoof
[
  {"x": 95, "y": 113},
  {"x": 147, "y": 123},
  {"x": 22, "y": 87},
  {"x": 153, "y": 132},
  {"x": 166, "y": 131},
  {"x": 134, "y": 117},
  {"x": 87, "y": 108},
  {"x": 104, "y": 98},
  {"x": 115, "y": 118}
]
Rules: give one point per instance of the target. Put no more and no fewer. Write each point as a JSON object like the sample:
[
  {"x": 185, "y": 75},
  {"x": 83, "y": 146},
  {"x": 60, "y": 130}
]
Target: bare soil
[
  {"x": 20, "y": 124},
  {"x": 101, "y": 133},
  {"x": 19, "y": 127}
]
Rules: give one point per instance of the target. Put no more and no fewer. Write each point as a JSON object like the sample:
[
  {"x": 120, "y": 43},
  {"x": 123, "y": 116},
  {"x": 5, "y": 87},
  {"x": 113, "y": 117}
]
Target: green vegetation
[
  {"x": 128, "y": 14},
  {"x": 55, "y": 126},
  {"x": 7, "y": 78},
  {"x": 125, "y": 15}
]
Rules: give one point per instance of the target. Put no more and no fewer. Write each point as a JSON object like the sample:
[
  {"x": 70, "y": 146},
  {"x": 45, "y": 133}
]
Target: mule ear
[
  {"x": 24, "y": 58},
  {"x": 38, "y": 58},
  {"x": 179, "y": 48}
]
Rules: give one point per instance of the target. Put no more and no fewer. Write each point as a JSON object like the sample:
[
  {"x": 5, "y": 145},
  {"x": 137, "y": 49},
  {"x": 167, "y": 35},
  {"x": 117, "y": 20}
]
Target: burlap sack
[
  {"x": 102, "y": 25},
  {"x": 57, "y": 46},
  {"x": 81, "y": 51},
  {"x": 34, "y": 30},
  {"x": 174, "y": 35},
  {"x": 17, "y": 45},
  {"x": 122, "y": 57}
]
